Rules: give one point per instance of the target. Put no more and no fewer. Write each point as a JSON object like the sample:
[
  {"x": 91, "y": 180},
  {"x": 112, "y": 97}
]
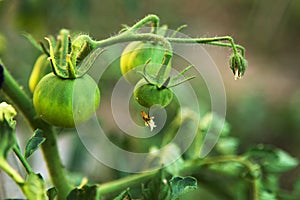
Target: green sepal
[
  {"x": 238, "y": 65},
  {"x": 33, "y": 41},
  {"x": 125, "y": 195},
  {"x": 177, "y": 80},
  {"x": 160, "y": 78}
]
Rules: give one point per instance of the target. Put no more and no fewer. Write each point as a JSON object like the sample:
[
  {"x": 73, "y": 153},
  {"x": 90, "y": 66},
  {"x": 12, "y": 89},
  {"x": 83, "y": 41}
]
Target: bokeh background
[{"x": 263, "y": 107}]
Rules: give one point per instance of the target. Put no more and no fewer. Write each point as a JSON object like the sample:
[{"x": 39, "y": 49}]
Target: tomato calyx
[
  {"x": 155, "y": 90},
  {"x": 238, "y": 65},
  {"x": 71, "y": 58},
  {"x": 159, "y": 80}
]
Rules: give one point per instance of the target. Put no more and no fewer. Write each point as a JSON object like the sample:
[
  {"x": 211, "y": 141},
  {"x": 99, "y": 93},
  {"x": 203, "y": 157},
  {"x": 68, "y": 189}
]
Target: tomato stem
[
  {"x": 23, "y": 160},
  {"x": 50, "y": 149},
  {"x": 211, "y": 41},
  {"x": 190, "y": 166},
  {"x": 11, "y": 172},
  {"x": 148, "y": 19}
]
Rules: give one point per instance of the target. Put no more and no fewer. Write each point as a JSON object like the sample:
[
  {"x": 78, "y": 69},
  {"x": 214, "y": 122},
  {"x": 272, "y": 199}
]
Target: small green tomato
[
  {"x": 66, "y": 102},
  {"x": 147, "y": 94}
]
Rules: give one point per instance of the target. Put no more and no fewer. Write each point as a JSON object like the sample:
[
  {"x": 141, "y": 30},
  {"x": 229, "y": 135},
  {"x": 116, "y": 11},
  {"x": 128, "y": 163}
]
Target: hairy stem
[
  {"x": 49, "y": 147},
  {"x": 213, "y": 41},
  {"x": 129, "y": 36},
  {"x": 148, "y": 19}
]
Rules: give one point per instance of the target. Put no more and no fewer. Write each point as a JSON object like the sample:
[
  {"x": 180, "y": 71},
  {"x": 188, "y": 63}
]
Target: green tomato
[
  {"x": 62, "y": 102},
  {"x": 148, "y": 95},
  {"x": 136, "y": 54},
  {"x": 40, "y": 69}
]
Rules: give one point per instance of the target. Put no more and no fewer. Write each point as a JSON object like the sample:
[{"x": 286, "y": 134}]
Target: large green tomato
[
  {"x": 66, "y": 102},
  {"x": 148, "y": 95},
  {"x": 136, "y": 54}
]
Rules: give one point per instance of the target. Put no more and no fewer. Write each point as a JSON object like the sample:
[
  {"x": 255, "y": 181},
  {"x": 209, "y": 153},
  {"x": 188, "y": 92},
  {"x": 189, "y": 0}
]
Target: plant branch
[
  {"x": 11, "y": 172},
  {"x": 23, "y": 160},
  {"x": 212, "y": 41},
  {"x": 49, "y": 147},
  {"x": 130, "y": 36},
  {"x": 148, "y": 19},
  {"x": 189, "y": 167},
  {"x": 123, "y": 183}
]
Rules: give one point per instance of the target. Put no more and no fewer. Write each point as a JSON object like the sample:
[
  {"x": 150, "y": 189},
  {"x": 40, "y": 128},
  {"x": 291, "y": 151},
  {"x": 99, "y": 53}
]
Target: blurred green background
[{"x": 263, "y": 107}]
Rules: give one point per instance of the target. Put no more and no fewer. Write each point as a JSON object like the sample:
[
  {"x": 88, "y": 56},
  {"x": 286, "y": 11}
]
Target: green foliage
[
  {"x": 86, "y": 192},
  {"x": 255, "y": 173},
  {"x": 157, "y": 188},
  {"x": 180, "y": 185},
  {"x": 34, "y": 187},
  {"x": 52, "y": 193},
  {"x": 34, "y": 143},
  {"x": 271, "y": 159},
  {"x": 125, "y": 195}
]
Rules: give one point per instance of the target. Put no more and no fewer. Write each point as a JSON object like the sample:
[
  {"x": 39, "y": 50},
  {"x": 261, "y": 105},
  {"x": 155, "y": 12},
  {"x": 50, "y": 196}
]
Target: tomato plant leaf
[
  {"x": 265, "y": 193},
  {"x": 34, "y": 187},
  {"x": 34, "y": 142},
  {"x": 158, "y": 188},
  {"x": 272, "y": 159},
  {"x": 51, "y": 193},
  {"x": 85, "y": 192},
  {"x": 182, "y": 185}
]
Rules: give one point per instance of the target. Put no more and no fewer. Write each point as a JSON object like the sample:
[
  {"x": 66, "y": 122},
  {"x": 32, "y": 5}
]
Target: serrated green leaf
[
  {"x": 34, "y": 188},
  {"x": 158, "y": 188},
  {"x": 51, "y": 193},
  {"x": 125, "y": 195},
  {"x": 272, "y": 159},
  {"x": 180, "y": 185},
  {"x": 86, "y": 193},
  {"x": 34, "y": 142}
]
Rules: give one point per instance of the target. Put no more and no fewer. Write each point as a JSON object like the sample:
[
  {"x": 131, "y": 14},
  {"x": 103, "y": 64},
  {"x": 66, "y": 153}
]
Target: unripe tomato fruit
[
  {"x": 41, "y": 68},
  {"x": 66, "y": 102},
  {"x": 136, "y": 54},
  {"x": 147, "y": 94}
]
